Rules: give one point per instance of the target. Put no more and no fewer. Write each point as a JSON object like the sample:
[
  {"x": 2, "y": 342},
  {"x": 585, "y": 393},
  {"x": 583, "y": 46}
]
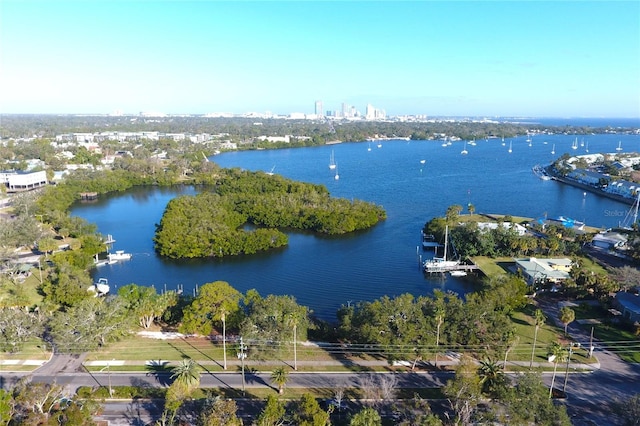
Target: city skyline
[{"x": 536, "y": 59}]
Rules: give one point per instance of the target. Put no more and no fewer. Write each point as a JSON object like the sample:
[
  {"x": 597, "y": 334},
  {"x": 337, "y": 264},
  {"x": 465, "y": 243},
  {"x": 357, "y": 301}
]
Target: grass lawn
[
  {"x": 525, "y": 331},
  {"x": 26, "y": 290},
  {"x": 493, "y": 266}
]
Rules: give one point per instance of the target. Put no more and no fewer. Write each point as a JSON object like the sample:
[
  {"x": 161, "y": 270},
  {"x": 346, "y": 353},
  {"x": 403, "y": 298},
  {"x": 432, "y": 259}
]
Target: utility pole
[
  {"x": 242, "y": 355},
  {"x": 566, "y": 374},
  {"x": 295, "y": 351}
]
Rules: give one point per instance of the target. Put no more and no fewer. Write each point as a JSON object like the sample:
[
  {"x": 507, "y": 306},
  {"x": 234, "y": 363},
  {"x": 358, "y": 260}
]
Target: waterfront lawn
[
  {"x": 142, "y": 354},
  {"x": 493, "y": 266}
]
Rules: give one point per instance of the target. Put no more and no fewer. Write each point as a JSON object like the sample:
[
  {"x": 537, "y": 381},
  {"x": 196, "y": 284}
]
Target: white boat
[
  {"x": 510, "y": 150},
  {"x": 458, "y": 273},
  {"x": 101, "y": 262},
  {"x": 574, "y": 145},
  {"x": 553, "y": 150},
  {"x": 587, "y": 147},
  {"x": 464, "y": 150},
  {"x": 472, "y": 143},
  {"x": 423, "y": 161},
  {"x": 441, "y": 264},
  {"x": 270, "y": 172},
  {"x": 119, "y": 255},
  {"x": 100, "y": 288},
  {"x": 503, "y": 143},
  {"x": 337, "y": 176},
  {"x": 332, "y": 161},
  {"x": 379, "y": 144},
  {"x": 619, "y": 148},
  {"x": 369, "y": 147}
]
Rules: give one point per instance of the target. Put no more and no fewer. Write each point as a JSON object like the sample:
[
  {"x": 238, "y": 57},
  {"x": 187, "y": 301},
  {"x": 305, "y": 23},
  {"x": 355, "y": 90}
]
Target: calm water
[{"x": 324, "y": 273}]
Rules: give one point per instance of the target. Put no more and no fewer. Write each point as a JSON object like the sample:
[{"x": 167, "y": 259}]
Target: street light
[
  {"x": 566, "y": 374},
  {"x": 109, "y": 376},
  {"x": 241, "y": 356}
]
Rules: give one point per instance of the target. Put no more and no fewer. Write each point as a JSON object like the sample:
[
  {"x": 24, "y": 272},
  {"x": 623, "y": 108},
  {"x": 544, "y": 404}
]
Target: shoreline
[{"x": 592, "y": 189}]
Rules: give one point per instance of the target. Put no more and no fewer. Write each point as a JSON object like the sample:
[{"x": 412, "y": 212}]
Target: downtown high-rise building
[{"x": 319, "y": 110}]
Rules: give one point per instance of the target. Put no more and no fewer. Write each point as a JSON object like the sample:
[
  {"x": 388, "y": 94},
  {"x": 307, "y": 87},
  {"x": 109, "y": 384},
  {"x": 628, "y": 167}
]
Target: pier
[
  {"x": 451, "y": 268},
  {"x": 88, "y": 196}
]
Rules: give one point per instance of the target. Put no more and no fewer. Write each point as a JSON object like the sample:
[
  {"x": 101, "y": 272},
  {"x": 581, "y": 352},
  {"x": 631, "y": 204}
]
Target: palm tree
[
  {"x": 280, "y": 376},
  {"x": 539, "y": 320},
  {"x": 567, "y": 315},
  {"x": 559, "y": 353},
  {"x": 491, "y": 376},
  {"x": 187, "y": 373}
]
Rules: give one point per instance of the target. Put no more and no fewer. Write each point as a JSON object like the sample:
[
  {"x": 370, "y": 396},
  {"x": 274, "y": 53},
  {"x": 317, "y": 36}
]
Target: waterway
[{"x": 327, "y": 272}]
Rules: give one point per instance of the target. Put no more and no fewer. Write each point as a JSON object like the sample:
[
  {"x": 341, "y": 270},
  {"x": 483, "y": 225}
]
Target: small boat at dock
[
  {"x": 100, "y": 287},
  {"x": 119, "y": 255}
]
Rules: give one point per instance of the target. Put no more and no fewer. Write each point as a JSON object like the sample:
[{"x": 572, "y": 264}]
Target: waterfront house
[
  {"x": 519, "y": 229},
  {"x": 540, "y": 271},
  {"x": 629, "y": 305},
  {"x": 609, "y": 240}
]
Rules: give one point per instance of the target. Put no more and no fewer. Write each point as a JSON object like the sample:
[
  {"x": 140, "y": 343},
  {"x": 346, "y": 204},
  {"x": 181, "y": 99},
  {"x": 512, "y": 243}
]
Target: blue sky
[{"x": 509, "y": 58}]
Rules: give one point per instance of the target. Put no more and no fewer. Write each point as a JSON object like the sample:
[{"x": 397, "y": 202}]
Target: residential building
[{"x": 541, "y": 271}]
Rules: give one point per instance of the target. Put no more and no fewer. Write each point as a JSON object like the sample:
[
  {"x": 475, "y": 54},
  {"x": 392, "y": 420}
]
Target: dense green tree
[
  {"x": 273, "y": 413},
  {"x": 268, "y": 320},
  {"x": 366, "y": 417},
  {"x": 307, "y": 412},
  {"x": 527, "y": 402},
  {"x": 215, "y": 302},
  {"x": 7, "y": 407}
]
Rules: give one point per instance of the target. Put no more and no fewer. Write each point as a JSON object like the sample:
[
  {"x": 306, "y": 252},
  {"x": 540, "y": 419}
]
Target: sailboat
[
  {"x": 270, "y": 172},
  {"x": 337, "y": 176},
  {"x": 464, "y": 151},
  {"x": 574, "y": 145},
  {"x": 441, "y": 264},
  {"x": 553, "y": 150},
  {"x": 423, "y": 161},
  {"x": 503, "y": 144},
  {"x": 510, "y": 150},
  {"x": 369, "y": 147},
  {"x": 587, "y": 147},
  {"x": 619, "y": 148},
  {"x": 332, "y": 161}
]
